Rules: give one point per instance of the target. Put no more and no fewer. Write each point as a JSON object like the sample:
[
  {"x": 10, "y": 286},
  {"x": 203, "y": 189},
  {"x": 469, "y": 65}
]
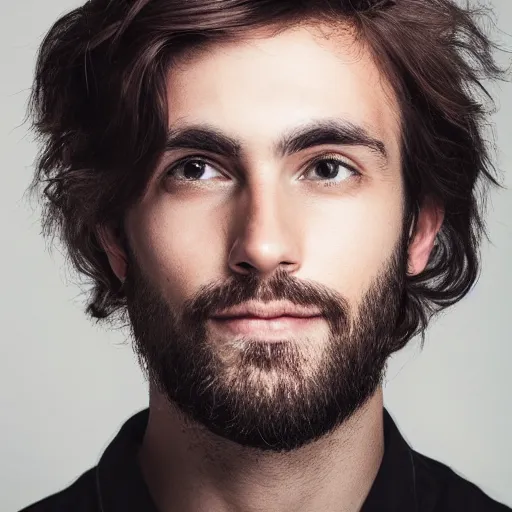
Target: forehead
[{"x": 266, "y": 84}]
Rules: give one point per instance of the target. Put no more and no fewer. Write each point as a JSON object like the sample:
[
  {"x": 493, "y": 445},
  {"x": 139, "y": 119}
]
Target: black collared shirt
[{"x": 406, "y": 482}]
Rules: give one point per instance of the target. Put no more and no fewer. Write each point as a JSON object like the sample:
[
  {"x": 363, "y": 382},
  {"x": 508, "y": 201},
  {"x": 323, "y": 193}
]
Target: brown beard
[{"x": 261, "y": 394}]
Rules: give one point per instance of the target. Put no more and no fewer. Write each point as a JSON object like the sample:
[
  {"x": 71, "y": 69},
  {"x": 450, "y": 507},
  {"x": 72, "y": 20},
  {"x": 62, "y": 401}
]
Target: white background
[{"x": 66, "y": 386}]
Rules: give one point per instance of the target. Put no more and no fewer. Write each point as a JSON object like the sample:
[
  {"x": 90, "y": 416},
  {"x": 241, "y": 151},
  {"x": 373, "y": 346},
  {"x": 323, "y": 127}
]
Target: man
[{"x": 276, "y": 195}]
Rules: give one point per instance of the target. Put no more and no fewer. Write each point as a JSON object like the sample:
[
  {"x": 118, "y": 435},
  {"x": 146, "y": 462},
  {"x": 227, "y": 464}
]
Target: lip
[
  {"x": 268, "y": 311},
  {"x": 258, "y": 326}
]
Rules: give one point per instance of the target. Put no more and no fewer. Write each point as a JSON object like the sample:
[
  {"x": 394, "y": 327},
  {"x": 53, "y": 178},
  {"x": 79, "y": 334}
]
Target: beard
[{"x": 269, "y": 395}]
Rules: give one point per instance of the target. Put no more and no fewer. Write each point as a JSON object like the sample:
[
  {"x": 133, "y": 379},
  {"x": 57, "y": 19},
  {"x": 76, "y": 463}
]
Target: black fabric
[{"x": 406, "y": 482}]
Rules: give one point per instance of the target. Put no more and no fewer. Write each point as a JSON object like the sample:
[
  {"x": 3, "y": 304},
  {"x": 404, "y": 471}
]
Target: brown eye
[
  {"x": 332, "y": 170},
  {"x": 191, "y": 169}
]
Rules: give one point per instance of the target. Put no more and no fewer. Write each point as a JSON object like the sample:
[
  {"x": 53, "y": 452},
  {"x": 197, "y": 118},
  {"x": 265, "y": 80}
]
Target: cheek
[
  {"x": 341, "y": 242},
  {"x": 178, "y": 247},
  {"x": 353, "y": 241}
]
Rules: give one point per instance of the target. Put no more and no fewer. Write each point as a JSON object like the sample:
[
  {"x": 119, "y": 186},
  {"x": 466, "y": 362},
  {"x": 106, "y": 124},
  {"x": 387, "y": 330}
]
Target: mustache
[{"x": 239, "y": 289}]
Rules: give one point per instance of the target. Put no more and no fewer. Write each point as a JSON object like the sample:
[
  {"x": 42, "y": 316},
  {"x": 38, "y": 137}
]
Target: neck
[{"x": 188, "y": 469}]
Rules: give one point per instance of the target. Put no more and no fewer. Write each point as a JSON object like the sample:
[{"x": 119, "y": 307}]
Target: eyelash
[{"x": 324, "y": 158}]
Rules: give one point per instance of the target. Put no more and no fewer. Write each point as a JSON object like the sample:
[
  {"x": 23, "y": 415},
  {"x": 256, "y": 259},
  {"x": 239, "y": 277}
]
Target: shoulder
[
  {"x": 453, "y": 492},
  {"x": 80, "y": 496}
]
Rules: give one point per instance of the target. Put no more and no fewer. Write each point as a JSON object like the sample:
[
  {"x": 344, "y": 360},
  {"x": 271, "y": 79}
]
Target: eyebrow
[{"x": 329, "y": 131}]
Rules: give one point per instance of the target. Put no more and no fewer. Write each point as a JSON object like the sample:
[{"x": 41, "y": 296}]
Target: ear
[
  {"x": 429, "y": 223},
  {"x": 116, "y": 255}
]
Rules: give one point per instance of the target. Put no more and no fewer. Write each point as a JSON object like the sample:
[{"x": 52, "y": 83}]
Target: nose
[{"x": 266, "y": 231}]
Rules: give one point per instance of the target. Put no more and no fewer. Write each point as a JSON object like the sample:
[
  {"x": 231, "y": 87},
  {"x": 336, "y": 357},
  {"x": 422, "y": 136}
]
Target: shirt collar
[
  {"x": 121, "y": 486},
  {"x": 119, "y": 481},
  {"x": 395, "y": 487}
]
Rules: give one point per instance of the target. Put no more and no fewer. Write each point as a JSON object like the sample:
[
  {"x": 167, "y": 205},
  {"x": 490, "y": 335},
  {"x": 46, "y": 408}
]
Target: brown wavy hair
[{"x": 99, "y": 108}]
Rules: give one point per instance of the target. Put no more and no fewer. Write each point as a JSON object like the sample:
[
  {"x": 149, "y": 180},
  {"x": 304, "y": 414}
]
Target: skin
[{"x": 258, "y": 212}]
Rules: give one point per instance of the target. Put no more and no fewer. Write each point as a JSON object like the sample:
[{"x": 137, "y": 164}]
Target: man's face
[{"x": 264, "y": 226}]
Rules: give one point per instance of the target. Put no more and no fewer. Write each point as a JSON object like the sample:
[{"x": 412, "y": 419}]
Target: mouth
[{"x": 248, "y": 325}]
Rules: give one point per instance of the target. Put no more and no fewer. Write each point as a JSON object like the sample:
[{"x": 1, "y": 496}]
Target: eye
[
  {"x": 332, "y": 170},
  {"x": 191, "y": 169}
]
